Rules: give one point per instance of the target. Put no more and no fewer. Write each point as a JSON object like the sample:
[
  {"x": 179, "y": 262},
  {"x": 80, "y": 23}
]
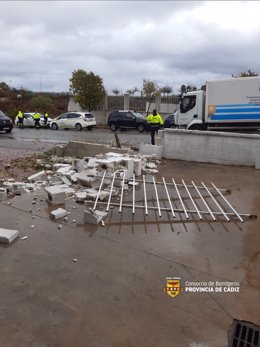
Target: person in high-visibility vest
[
  {"x": 156, "y": 122},
  {"x": 45, "y": 118},
  {"x": 20, "y": 116},
  {"x": 36, "y": 118}
]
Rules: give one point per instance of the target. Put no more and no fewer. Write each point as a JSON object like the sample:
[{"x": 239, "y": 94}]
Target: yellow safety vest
[
  {"x": 155, "y": 119},
  {"x": 20, "y": 114},
  {"x": 36, "y": 116}
]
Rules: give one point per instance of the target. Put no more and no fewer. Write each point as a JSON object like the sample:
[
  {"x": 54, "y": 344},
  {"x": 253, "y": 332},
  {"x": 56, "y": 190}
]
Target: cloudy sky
[{"x": 169, "y": 42}]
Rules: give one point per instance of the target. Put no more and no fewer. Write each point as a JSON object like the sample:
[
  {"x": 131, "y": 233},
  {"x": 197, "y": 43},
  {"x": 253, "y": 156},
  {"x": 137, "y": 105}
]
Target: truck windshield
[{"x": 187, "y": 103}]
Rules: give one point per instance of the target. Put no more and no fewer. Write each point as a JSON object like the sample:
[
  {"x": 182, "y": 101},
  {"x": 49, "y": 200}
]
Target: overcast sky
[{"x": 171, "y": 42}]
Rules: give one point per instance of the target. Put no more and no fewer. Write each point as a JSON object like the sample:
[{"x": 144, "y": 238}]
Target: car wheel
[
  {"x": 113, "y": 126},
  {"x": 8, "y": 131},
  {"x": 54, "y": 126},
  {"x": 196, "y": 127},
  {"x": 78, "y": 127},
  {"x": 141, "y": 128}
]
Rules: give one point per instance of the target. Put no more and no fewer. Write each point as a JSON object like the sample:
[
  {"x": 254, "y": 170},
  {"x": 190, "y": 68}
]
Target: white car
[
  {"x": 28, "y": 120},
  {"x": 74, "y": 120}
]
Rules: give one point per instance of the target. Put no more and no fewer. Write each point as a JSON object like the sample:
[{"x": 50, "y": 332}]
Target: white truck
[{"x": 227, "y": 104}]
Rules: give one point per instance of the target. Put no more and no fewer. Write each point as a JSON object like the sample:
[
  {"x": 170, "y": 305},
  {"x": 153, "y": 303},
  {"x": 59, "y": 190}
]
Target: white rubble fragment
[
  {"x": 33, "y": 226},
  {"x": 137, "y": 167},
  {"x": 78, "y": 164},
  {"x": 115, "y": 155},
  {"x": 56, "y": 195},
  {"x": 24, "y": 238},
  {"x": 91, "y": 164},
  {"x": 68, "y": 190},
  {"x": 74, "y": 221},
  {"x": 58, "y": 166},
  {"x": 92, "y": 194},
  {"x": 59, "y": 213},
  {"x": 151, "y": 171},
  {"x": 94, "y": 217},
  {"x": 64, "y": 170},
  {"x": 8, "y": 235},
  {"x": 88, "y": 181},
  {"x": 65, "y": 180},
  {"x": 59, "y": 226},
  {"x": 151, "y": 166},
  {"x": 18, "y": 188},
  {"x": 37, "y": 177},
  {"x": 55, "y": 180},
  {"x": 75, "y": 260},
  {"x": 80, "y": 197},
  {"x": 128, "y": 165}
]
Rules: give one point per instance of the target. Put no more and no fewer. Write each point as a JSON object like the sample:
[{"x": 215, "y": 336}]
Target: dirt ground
[{"x": 83, "y": 285}]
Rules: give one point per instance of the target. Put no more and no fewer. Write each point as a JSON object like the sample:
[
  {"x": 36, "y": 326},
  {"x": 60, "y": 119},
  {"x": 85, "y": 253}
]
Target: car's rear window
[{"x": 88, "y": 115}]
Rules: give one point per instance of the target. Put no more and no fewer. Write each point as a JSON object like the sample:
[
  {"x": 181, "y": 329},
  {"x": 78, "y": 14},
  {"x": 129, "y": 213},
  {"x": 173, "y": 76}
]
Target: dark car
[
  {"x": 127, "y": 119},
  {"x": 169, "y": 121},
  {"x": 6, "y": 123}
]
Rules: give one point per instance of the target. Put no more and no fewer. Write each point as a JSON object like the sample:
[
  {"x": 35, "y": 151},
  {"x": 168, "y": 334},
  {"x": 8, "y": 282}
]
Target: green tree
[
  {"x": 87, "y": 89},
  {"x": 41, "y": 103}
]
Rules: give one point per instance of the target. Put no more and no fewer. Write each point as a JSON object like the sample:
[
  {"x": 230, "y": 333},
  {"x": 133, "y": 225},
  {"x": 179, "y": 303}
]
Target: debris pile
[{"x": 63, "y": 178}]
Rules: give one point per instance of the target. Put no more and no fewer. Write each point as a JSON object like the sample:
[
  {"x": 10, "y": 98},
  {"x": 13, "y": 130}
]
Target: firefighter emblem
[{"x": 173, "y": 286}]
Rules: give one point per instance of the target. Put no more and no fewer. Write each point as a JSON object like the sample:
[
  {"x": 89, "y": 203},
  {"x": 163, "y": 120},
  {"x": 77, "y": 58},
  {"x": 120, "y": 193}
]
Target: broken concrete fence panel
[
  {"x": 55, "y": 180},
  {"x": 68, "y": 190},
  {"x": 59, "y": 213},
  {"x": 39, "y": 176},
  {"x": 56, "y": 195},
  {"x": 88, "y": 181},
  {"x": 64, "y": 170},
  {"x": 150, "y": 166},
  {"x": 137, "y": 167},
  {"x": 94, "y": 217},
  {"x": 8, "y": 235}
]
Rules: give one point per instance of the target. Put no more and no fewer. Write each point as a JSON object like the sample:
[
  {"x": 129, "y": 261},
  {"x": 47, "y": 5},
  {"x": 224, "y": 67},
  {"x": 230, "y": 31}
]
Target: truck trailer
[{"x": 226, "y": 104}]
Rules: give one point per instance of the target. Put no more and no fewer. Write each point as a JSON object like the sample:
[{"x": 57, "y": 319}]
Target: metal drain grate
[
  {"x": 188, "y": 199},
  {"x": 243, "y": 334}
]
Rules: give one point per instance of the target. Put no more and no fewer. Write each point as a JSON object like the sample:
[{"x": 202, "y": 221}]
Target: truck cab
[{"x": 191, "y": 112}]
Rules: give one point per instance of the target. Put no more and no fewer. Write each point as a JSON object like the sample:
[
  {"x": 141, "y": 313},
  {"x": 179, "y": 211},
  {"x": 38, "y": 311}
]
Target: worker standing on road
[
  {"x": 45, "y": 118},
  {"x": 156, "y": 122},
  {"x": 36, "y": 118},
  {"x": 20, "y": 116}
]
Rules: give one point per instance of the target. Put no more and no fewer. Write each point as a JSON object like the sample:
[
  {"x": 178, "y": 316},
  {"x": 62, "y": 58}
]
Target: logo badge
[{"x": 173, "y": 286}]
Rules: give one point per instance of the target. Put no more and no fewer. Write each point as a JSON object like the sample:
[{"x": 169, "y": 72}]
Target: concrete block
[
  {"x": 18, "y": 188},
  {"x": 91, "y": 164},
  {"x": 128, "y": 164},
  {"x": 65, "y": 180},
  {"x": 151, "y": 166},
  {"x": 114, "y": 155},
  {"x": 56, "y": 195},
  {"x": 78, "y": 164},
  {"x": 8, "y": 235},
  {"x": 59, "y": 213},
  {"x": 257, "y": 164},
  {"x": 38, "y": 176},
  {"x": 64, "y": 170},
  {"x": 94, "y": 217},
  {"x": 68, "y": 190},
  {"x": 137, "y": 166},
  {"x": 80, "y": 197},
  {"x": 146, "y": 149},
  {"x": 88, "y": 181},
  {"x": 55, "y": 180},
  {"x": 92, "y": 194},
  {"x": 58, "y": 166}
]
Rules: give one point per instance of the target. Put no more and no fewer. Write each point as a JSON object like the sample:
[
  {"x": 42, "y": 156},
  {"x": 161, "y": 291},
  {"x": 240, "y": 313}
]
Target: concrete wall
[
  {"x": 84, "y": 149},
  {"x": 210, "y": 147}
]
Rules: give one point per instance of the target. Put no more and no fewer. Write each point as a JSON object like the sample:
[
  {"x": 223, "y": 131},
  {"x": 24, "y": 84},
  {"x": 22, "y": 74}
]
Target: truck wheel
[{"x": 196, "y": 127}]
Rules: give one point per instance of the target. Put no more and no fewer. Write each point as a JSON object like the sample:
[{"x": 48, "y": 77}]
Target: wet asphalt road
[{"x": 44, "y": 139}]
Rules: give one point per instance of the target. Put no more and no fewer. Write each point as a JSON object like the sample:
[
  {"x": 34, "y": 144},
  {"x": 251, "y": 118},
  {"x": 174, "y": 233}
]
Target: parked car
[
  {"x": 169, "y": 121},
  {"x": 28, "y": 120},
  {"x": 127, "y": 119},
  {"x": 74, "y": 120},
  {"x": 6, "y": 123}
]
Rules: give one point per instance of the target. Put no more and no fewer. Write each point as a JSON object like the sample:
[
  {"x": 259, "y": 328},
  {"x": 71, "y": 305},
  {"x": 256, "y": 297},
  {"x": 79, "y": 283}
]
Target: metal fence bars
[{"x": 189, "y": 200}]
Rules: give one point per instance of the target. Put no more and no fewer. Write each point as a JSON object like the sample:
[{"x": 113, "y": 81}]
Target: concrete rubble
[
  {"x": 77, "y": 179},
  {"x": 7, "y": 235}
]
